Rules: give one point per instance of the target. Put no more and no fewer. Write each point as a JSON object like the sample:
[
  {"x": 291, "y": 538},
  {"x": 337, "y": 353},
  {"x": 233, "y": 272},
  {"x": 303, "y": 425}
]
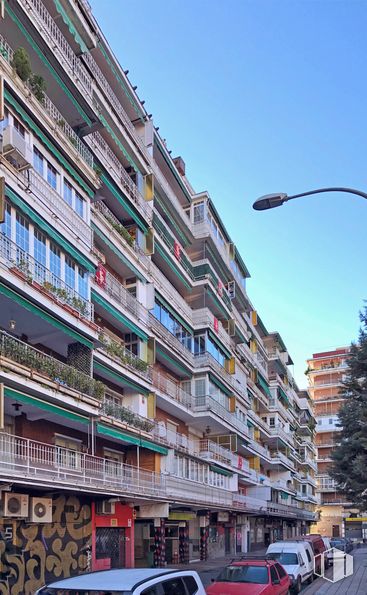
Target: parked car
[
  {"x": 341, "y": 544},
  {"x": 134, "y": 581},
  {"x": 318, "y": 548},
  {"x": 297, "y": 559},
  {"x": 253, "y": 576},
  {"x": 328, "y": 547}
]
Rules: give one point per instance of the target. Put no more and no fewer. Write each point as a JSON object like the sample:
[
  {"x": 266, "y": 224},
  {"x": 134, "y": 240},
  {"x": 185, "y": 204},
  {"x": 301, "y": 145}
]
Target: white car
[
  {"x": 297, "y": 558},
  {"x": 134, "y": 581}
]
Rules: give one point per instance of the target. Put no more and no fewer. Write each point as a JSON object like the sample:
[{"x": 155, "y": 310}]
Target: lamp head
[{"x": 270, "y": 201}]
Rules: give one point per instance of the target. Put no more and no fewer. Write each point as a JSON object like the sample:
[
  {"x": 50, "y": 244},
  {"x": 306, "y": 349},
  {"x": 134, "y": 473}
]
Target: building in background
[
  {"x": 326, "y": 372},
  {"x": 148, "y": 416}
]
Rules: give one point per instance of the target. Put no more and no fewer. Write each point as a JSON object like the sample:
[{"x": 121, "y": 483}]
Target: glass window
[
  {"x": 79, "y": 204},
  {"x": 286, "y": 558},
  {"x": 199, "y": 344},
  {"x": 51, "y": 175},
  {"x": 55, "y": 262},
  {"x": 174, "y": 586},
  {"x": 273, "y": 575},
  {"x": 199, "y": 212},
  {"x": 39, "y": 247},
  {"x": 68, "y": 192},
  {"x": 69, "y": 272},
  {"x": 6, "y": 225},
  {"x": 38, "y": 161},
  {"x": 83, "y": 282},
  {"x": 22, "y": 232},
  {"x": 19, "y": 127},
  {"x": 244, "y": 574},
  {"x": 131, "y": 342}
]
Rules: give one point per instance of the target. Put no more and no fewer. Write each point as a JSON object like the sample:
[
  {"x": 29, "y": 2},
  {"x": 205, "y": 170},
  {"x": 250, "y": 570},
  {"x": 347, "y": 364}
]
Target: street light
[{"x": 270, "y": 201}]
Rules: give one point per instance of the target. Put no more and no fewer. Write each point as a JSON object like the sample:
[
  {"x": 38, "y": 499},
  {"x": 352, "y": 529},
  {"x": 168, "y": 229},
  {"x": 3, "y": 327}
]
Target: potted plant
[
  {"x": 38, "y": 87},
  {"x": 22, "y": 64}
]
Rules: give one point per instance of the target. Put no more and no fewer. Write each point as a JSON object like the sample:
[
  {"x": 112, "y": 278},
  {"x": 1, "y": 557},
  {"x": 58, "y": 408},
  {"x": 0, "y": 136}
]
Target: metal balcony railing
[
  {"x": 58, "y": 205},
  {"x": 65, "y": 375},
  {"x": 181, "y": 257},
  {"x": 193, "y": 491},
  {"x": 283, "y": 458},
  {"x": 208, "y": 403},
  {"x": 115, "y": 167},
  {"x": 124, "y": 414},
  {"x": 202, "y": 360},
  {"x": 42, "y": 278},
  {"x": 123, "y": 356},
  {"x": 244, "y": 502},
  {"x": 170, "y": 293},
  {"x": 170, "y": 338},
  {"x": 172, "y": 389},
  {"x": 46, "y": 25},
  {"x": 278, "y": 431},
  {"x": 212, "y": 451},
  {"x": 118, "y": 292},
  {"x": 7, "y": 52}
]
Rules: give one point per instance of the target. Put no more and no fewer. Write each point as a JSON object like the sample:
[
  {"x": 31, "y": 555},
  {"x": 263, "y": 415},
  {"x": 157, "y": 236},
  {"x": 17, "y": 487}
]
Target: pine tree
[{"x": 350, "y": 456}]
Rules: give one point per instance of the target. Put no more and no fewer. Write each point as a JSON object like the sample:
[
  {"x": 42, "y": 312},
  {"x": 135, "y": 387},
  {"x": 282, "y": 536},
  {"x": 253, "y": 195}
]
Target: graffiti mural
[{"x": 34, "y": 554}]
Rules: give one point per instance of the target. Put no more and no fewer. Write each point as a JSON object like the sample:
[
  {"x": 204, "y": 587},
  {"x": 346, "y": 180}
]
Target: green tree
[{"x": 350, "y": 456}]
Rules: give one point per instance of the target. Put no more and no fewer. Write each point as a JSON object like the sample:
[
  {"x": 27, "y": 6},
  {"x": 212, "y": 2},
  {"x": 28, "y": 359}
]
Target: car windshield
[
  {"x": 285, "y": 558},
  {"x": 244, "y": 574}
]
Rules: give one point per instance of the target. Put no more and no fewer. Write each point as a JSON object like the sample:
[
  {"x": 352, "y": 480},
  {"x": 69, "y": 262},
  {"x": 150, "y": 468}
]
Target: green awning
[
  {"x": 124, "y": 202},
  {"x": 123, "y": 436},
  {"x": 172, "y": 311},
  {"x": 250, "y": 424},
  {"x": 44, "y": 405},
  {"x": 171, "y": 264},
  {"x": 284, "y": 496},
  {"x": 117, "y": 377},
  {"x": 43, "y": 138},
  {"x": 219, "y": 344},
  {"x": 220, "y": 385},
  {"x": 65, "y": 17},
  {"x": 185, "y": 371},
  {"x": 240, "y": 334},
  {"x": 118, "y": 316},
  {"x": 283, "y": 395},
  {"x": 217, "y": 469},
  {"x": 22, "y": 301},
  {"x": 264, "y": 385},
  {"x": 49, "y": 230},
  {"x": 118, "y": 253},
  {"x": 217, "y": 302},
  {"x": 147, "y": 444},
  {"x": 119, "y": 434}
]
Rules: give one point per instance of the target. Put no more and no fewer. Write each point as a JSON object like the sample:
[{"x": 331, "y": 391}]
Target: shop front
[{"x": 112, "y": 535}]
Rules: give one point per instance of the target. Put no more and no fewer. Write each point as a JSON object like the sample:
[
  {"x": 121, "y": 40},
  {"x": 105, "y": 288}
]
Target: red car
[{"x": 251, "y": 577}]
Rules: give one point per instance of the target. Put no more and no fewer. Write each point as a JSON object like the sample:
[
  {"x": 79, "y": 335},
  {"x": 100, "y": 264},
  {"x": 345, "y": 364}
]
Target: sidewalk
[{"x": 352, "y": 585}]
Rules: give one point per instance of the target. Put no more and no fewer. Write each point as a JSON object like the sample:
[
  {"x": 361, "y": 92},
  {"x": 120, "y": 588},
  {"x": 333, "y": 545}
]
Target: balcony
[
  {"x": 7, "y": 52},
  {"x": 66, "y": 376},
  {"x": 54, "y": 201},
  {"x": 212, "y": 451},
  {"x": 164, "y": 334},
  {"x": 200, "y": 493},
  {"x": 167, "y": 290},
  {"x": 125, "y": 299},
  {"x": 278, "y": 431},
  {"x": 282, "y": 458},
  {"x": 124, "y": 357},
  {"x": 102, "y": 210},
  {"x": 24, "y": 459},
  {"x": 114, "y": 166},
  {"x": 46, "y": 26},
  {"x": 204, "y": 226},
  {"x": 203, "y": 318},
  {"x": 248, "y": 503},
  {"x": 207, "y": 403},
  {"x": 172, "y": 389},
  {"x": 36, "y": 274},
  {"x": 205, "y": 360},
  {"x": 259, "y": 449},
  {"x": 161, "y": 229}
]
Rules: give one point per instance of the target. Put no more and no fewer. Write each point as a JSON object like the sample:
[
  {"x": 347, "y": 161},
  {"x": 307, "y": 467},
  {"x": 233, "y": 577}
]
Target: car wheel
[
  {"x": 299, "y": 585},
  {"x": 310, "y": 580}
]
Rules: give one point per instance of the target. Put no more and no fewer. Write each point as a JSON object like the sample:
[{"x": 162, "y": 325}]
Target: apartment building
[
  {"x": 326, "y": 372},
  {"x": 147, "y": 415}
]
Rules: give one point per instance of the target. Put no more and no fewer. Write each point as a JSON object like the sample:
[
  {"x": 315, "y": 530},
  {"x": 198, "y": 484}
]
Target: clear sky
[{"x": 262, "y": 96}]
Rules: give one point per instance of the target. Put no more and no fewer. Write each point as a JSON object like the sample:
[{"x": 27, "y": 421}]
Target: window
[
  {"x": 282, "y": 573},
  {"x": 39, "y": 247},
  {"x": 51, "y": 175},
  {"x": 199, "y": 212},
  {"x": 131, "y": 342},
  {"x": 272, "y": 422},
  {"x": 79, "y": 205},
  {"x": 83, "y": 282},
  {"x": 38, "y": 161},
  {"x": 199, "y": 344},
  {"x": 55, "y": 263},
  {"x": 19, "y": 127},
  {"x": 6, "y": 226},
  {"x": 174, "y": 586},
  {"x": 191, "y": 584},
  {"x": 69, "y": 272},
  {"x": 245, "y": 574},
  {"x": 273, "y": 575},
  {"x": 308, "y": 555},
  {"x": 67, "y": 452},
  {"x": 22, "y": 232},
  {"x": 172, "y": 325},
  {"x": 152, "y": 590},
  {"x": 68, "y": 192}
]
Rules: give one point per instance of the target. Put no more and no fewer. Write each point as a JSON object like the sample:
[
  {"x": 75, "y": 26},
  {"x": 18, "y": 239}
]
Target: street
[{"x": 353, "y": 585}]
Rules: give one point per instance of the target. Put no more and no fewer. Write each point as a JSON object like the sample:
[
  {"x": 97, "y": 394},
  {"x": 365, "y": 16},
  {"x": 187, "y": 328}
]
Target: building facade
[
  {"x": 147, "y": 415},
  {"x": 326, "y": 372}
]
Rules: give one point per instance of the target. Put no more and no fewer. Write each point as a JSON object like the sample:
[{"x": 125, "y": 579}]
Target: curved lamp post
[{"x": 270, "y": 201}]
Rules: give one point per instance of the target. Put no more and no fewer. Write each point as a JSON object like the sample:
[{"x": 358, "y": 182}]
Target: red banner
[{"x": 101, "y": 275}]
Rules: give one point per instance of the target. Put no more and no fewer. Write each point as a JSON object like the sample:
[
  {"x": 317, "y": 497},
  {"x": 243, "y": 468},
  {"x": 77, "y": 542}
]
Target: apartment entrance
[{"x": 110, "y": 543}]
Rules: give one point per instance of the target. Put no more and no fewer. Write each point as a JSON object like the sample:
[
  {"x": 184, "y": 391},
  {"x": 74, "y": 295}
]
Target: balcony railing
[
  {"x": 193, "y": 491},
  {"x": 172, "y": 389},
  {"x": 243, "y": 502},
  {"x": 118, "y": 292},
  {"x": 65, "y": 375},
  {"x": 212, "y": 451},
  {"x": 208, "y": 403},
  {"x": 169, "y": 338},
  {"x": 281, "y": 457},
  {"x": 120, "y": 174},
  {"x": 124, "y": 414},
  {"x": 278, "y": 431},
  {"x": 161, "y": 229},
  {"x": 42, "y": 278},
  {"x": 125, "y": 357},
  {"x": 53, "y": 200},
  {"x": 202, "y": 360},
  {"x": 202, "y": 227},
  {"x": 167, "y": 290},
  {"x": 7, "y": 52},
  {"x": 47, "y": 27},
  {"x": 204, "y": 318}
]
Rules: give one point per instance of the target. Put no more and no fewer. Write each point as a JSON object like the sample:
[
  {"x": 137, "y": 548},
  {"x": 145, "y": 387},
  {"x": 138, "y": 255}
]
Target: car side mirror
[
  {"x": 275, "y": 581},
  {"x": 302, "y": 563}
]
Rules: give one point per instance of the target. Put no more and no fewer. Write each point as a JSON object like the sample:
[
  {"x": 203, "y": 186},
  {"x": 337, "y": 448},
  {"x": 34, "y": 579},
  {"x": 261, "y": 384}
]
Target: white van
[{"x": 297, "y": 559}]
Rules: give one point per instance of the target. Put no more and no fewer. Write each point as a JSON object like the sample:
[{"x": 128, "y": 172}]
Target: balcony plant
[
  {"x": 38, "y": 86},
  {"x": 21, "y": 64}
]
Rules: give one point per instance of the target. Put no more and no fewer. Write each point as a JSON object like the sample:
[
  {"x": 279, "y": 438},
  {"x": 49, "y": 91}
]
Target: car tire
[
  {"x": 298, "y": 587},
  {"x": 310, "y": 579}
]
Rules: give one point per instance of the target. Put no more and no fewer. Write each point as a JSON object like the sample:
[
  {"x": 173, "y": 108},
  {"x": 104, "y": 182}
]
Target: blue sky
[{"x": 263, "y": 96}]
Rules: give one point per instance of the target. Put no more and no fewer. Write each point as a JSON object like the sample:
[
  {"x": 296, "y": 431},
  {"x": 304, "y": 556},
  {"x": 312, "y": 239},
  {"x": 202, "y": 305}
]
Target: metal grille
[{"x": 110, "y": 543}]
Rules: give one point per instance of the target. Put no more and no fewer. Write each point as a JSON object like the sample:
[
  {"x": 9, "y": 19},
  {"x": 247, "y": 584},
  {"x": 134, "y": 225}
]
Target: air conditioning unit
[
  {"x": 16, "y": 149},
  {"x": 231, "y": 288},
  {"x": 15, "y": 505},
  {"x": 105, "y": 507},
  {"x": 40, "y": 510}
]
